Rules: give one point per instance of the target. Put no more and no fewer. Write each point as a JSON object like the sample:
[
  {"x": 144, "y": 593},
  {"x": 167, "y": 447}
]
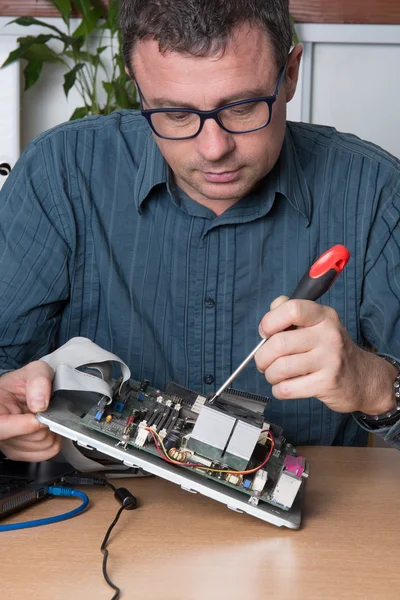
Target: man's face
[{"x": 217, "y": 168}]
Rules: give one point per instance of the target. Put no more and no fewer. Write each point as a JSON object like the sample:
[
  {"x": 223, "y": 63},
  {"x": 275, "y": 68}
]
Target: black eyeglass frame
[{"x": 212, "y": 114}]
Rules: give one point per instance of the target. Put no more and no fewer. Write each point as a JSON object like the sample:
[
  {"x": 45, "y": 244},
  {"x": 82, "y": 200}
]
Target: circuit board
[{"x": 227, "y": 441}]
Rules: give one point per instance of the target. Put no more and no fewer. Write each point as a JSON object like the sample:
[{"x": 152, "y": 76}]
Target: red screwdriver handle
[{"x": 322, "y": 274}]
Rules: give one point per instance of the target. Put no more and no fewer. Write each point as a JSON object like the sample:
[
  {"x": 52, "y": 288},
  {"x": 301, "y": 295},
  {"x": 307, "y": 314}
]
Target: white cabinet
[{"x": 9, "y": 109}]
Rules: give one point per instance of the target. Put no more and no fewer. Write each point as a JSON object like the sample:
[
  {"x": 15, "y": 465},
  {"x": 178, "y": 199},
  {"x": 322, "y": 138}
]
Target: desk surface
[{"x": 179, "y": 546}]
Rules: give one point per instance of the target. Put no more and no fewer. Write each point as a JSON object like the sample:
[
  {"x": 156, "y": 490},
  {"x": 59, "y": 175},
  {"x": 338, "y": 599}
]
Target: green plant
[{"x": 81, "y": 55}]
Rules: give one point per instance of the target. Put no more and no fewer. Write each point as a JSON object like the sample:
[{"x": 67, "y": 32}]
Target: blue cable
[{"x": 54, "y": 491}]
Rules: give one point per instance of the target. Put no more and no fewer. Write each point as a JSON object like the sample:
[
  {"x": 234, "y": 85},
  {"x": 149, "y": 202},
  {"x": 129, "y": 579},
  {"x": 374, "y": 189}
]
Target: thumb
[
  {"x": 39, "y": 379},
  {"x": 278, "y": 301}
]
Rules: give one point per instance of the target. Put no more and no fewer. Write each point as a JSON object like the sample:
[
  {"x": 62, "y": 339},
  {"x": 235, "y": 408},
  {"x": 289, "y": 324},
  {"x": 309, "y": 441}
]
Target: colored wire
[
  {"x": 54, "y": 491},
  {"x": 105, "y": 554},
  {"x": 164, "y": 454}
]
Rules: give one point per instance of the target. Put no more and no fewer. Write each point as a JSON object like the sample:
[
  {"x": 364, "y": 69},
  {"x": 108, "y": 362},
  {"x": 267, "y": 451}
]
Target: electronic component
[
  {"x": 220, "y": 436},
  {"x": 178, "y": 455},
  {"x": 259, "y": 481},
  {"x": 224, "y": 441},
  {"x": 234, "y": 479},
  {"x": 174, "y": 436},
  {"x": 211, "y": 433},
  {"x": 289, "y": 481},
  {"x": 241, "y": 445},
  {"x": 144, "y": 384},
  {"x": 100, "y": 407}
]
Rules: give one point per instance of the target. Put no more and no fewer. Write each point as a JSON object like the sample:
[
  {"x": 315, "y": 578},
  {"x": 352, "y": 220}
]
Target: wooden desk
[{"x": 179, "y": 546}]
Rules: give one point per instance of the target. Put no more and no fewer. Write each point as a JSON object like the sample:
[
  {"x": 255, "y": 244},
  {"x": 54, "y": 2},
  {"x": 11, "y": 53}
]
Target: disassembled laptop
[
  {"x": 219, "y": 446},
  {"x": 222, "y": 441}
]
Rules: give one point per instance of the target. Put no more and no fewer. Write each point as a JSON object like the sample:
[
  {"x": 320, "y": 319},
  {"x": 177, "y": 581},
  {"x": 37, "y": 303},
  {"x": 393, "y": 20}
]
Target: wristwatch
[{"x": 389, "y": 418}]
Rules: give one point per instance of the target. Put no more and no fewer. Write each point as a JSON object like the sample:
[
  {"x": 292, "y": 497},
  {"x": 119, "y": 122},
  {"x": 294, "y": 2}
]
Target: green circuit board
[{"x": 173, "y": 416}]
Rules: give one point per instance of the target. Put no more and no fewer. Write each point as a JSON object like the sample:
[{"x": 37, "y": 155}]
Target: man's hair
[{"x": 202, "y": 27}]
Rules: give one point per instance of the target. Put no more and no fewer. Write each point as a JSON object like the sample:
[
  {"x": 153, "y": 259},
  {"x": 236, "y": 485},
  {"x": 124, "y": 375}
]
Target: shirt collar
[
  {"x": 153, "y": 170},
  {"x": 286, "y": 178},
  {"x": 290, "y": 179}
]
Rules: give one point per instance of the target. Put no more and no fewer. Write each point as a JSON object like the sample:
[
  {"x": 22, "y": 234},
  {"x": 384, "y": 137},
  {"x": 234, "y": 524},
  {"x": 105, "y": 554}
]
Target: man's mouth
[{"x": 221, "y": 176}]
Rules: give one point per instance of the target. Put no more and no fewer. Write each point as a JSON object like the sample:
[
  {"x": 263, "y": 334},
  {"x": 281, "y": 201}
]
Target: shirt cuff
[{"x": 390, "y": 435}]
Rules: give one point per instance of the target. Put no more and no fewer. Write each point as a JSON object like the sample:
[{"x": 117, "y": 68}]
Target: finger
[
  {"x": 299, "y": 313},
  {"x": 285, "y": 343},
  {"x": 278, "y": 301},
  {"x": 274, "y": 304},
  {"x": 20, "y": 443},
  {"x": 38, "y": 436},
  {"x": 14, "y": 425},
  {"x": 306, "y": 386},
  {"x": 296, "y": 365},
  {"x": 39, "y": 380},
  {"x": 35, "y": 456}
]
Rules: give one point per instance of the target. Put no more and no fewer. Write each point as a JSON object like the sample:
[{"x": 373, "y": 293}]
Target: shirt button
[
  {"x": 209, "y": 379},
  {"x": 209, "y": 302}
]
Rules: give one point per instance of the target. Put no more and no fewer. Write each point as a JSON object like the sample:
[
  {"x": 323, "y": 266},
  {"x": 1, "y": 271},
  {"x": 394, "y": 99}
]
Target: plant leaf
[
  {"x": 70, "y": 78},
  {"x": 75, "y": 43},
  {"x": 101, "y": 49},
  {"x": 24, "y": 44},
  {"x": 64, "y": 7},
  {"x": 101, "y": 7},
  {"x": 27, "y": 21},
  {"x": 90, "y": 17},
  {"x": 121, "y": 95},
  {"x": 113, "y": 11},
  {"x": 32, "y": 72},
  {"x": 80, "y": 31},
  {"x": 41, "y": 52},
  {"x": 109, "y": 88},
  {"x": 83, "y": 56},
  {"x": 79, "y": 113},
  {"x": 36, "y": 55}
]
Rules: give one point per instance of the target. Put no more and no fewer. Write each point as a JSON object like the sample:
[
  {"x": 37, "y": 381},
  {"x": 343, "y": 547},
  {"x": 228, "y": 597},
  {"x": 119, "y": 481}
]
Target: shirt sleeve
[
  {"x": 380, "y": 308},
  {"x": 34, "y": 256}
]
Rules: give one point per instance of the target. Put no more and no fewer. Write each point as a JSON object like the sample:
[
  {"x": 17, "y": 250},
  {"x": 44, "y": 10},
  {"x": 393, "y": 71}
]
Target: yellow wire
[{"x": 176, "y": 462}]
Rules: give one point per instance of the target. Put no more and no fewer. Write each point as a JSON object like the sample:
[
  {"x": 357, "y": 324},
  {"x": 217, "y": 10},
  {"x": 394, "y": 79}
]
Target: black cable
[
  {"x": 105, "y": 554},
  {"x": 110, "y": 485},
  {"x": 127, "y": 501},
  {"x": 82, "y": 480}
]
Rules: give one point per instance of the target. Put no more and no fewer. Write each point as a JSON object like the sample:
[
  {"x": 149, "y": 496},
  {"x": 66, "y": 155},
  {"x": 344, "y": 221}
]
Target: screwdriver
[{"x": 315, "y": 282}]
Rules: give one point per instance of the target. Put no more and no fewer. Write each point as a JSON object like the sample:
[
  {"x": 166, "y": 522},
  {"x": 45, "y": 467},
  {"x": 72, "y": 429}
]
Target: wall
[{"x": 350, "y": 79}]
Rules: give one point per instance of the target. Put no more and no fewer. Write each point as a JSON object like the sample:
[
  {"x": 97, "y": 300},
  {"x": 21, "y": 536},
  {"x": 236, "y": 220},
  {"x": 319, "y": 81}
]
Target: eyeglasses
[{"x": 244, "y": 116}]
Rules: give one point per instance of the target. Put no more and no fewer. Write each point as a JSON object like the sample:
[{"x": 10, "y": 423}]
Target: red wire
[{"x": 196, "y": 465}]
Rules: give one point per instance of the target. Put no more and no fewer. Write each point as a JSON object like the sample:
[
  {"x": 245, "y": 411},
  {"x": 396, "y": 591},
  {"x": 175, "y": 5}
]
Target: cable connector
[
  {"x": 74, "y": 480},
  {"x": 61, "y": 491},
  {"x": 142, "y": 434}
]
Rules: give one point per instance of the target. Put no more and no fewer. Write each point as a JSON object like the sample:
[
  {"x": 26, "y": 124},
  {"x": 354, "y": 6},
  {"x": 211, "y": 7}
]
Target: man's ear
[{"x": 292, "y": 71}]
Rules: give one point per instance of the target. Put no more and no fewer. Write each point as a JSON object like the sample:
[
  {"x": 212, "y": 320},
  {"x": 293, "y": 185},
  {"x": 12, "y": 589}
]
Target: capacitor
[
  {"x": 173, "y": 438},
  {"x": 108, "y": 418},
  {"x": 144, "y": 384}
]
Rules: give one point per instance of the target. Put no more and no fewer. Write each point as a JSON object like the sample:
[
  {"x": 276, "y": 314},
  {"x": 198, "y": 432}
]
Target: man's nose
[{"x": 213, "y": 143}]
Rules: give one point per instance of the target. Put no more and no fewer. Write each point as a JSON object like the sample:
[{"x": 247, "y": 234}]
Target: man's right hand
[{"x": 22, "y": 393}]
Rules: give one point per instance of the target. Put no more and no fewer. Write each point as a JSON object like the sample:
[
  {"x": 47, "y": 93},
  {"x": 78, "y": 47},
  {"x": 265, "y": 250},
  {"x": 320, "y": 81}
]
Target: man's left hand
[{"x": 318, "y": 358}]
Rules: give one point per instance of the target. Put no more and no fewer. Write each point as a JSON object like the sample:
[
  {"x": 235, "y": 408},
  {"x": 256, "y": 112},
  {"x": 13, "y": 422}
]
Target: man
[{"x": 167, "y": 246}]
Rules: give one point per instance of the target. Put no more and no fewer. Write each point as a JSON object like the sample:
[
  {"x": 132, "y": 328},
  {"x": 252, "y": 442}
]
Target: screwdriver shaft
[{"x": 238, "y": 370}]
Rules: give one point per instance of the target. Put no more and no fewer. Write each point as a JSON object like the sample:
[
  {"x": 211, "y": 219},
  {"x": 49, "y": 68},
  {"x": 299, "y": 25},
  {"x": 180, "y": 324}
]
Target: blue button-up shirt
[{"x": 96, "y": 241}]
